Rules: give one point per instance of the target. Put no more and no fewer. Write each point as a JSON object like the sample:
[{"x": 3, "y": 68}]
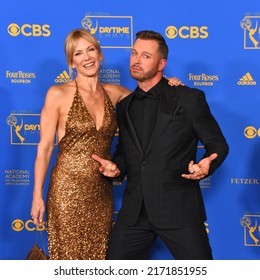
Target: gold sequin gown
[{"x": 79, "y": 201}]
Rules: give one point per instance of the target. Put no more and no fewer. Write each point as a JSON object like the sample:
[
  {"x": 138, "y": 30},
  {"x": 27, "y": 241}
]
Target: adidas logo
[
  {"x": 63, "y": 77},
  {"x": 246, "y": 80}
]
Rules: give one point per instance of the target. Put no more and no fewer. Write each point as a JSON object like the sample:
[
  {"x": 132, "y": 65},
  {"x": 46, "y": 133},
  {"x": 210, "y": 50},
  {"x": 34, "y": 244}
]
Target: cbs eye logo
[
  {"x": 171, "y": 32},
  {"x": 34, "y": 30},
  {"x": 13, "y": 29},
  {"x": 251, "y": 132}
]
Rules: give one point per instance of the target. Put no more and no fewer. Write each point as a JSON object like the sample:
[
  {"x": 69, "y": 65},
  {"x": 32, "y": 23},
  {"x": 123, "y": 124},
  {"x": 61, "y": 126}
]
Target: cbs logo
[
  {"x": 19, "y": 225},
  {"x": 251, "y": 132},
  {"x": 186, "y": 32},
  {"x": 35, "y": 30}
]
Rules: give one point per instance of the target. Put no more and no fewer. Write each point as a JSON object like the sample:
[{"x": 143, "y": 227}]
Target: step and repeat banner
[{"x": 214, "y": 46}]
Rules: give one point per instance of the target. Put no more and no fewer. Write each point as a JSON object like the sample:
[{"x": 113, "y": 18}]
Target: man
[{"x": 159, "y": 130}]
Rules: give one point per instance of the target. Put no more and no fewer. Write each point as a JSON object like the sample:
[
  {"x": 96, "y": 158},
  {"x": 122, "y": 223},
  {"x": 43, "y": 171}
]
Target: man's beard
[{"x": 140, "y": 76}]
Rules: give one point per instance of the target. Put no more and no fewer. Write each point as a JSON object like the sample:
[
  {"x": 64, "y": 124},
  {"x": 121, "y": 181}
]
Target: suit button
[{"x": 144, "y": 162}]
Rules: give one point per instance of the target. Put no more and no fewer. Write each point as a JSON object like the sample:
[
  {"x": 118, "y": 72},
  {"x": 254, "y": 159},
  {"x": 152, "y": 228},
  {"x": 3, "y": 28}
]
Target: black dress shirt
[{"x": 143, "y": 113}]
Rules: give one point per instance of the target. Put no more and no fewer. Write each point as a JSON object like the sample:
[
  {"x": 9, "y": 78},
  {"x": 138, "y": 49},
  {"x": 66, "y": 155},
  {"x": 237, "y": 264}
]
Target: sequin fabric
[{"x": 79, "y": 201}]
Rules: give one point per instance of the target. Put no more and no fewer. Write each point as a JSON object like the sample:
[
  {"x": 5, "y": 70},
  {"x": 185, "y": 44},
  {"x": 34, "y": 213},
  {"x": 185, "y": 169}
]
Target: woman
[{"x": 79, "y": 202}]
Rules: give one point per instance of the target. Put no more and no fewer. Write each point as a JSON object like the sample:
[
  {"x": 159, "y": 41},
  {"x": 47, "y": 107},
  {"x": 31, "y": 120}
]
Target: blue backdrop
[{"x": 214, "y": 46}]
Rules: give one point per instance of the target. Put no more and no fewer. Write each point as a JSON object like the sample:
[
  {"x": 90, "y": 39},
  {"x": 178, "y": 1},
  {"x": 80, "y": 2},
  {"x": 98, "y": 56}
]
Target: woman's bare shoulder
[
  {"x": 116, "y": 92},
  {"x": 59, "y": 95},
  {"x": 59, "y": 91}
]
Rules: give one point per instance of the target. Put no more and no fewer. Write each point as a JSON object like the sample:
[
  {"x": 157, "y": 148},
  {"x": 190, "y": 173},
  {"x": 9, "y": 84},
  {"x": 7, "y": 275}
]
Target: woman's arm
[
  {"x": 48, "y": 125},
  {"x": 117, "y": 93}
]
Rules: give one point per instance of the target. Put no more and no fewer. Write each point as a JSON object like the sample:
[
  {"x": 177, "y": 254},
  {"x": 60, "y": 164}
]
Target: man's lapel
[
  {"x": 130, "y": 125},
  {"x": 166, "y": 109}
]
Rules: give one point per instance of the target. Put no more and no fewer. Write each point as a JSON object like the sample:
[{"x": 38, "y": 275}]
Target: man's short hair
[{"x": 156, "y": 36}]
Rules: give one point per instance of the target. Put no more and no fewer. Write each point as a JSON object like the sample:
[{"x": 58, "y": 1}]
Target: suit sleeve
[
  {"x": 209, "y": 133},
  {"x": 118, "y": 159}
]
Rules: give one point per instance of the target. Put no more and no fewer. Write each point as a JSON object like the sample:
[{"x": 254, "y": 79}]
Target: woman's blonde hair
[{"x": 71, "y": 41}]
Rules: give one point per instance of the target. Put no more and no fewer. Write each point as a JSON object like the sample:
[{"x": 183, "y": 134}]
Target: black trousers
[{"x": 135, "y": 242}]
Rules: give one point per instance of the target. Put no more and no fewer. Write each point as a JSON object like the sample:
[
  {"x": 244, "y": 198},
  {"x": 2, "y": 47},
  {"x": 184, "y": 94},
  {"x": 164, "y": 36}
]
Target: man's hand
[
  {"x": 107, "y": 168},
  {"x": 199, "y": 170}
]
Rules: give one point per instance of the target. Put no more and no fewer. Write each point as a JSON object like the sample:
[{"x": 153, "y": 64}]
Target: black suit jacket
[{"x": 154, "y": 177}]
